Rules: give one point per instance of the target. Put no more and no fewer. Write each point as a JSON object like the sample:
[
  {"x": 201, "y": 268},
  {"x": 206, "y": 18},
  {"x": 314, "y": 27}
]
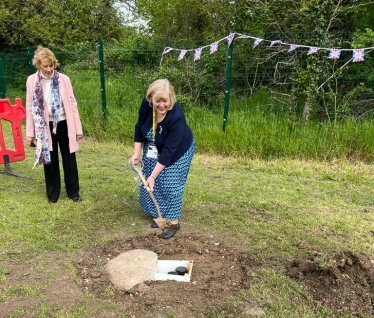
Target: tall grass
[
  {"x": 259, "y": 132},
  {"x": 257, "y": 127}
]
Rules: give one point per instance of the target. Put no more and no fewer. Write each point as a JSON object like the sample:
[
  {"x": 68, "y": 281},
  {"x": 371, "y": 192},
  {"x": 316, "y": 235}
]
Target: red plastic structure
[{"x": 14, "y": 114}]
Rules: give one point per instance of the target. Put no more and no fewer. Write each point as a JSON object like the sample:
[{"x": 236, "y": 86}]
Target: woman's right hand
[{"x": 29, "y": 141}]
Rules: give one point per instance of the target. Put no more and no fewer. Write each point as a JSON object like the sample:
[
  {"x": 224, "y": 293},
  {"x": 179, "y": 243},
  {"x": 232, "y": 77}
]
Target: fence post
[
  {"x": 228, "y": 82},
  {"x": 30, "y": 54},
  {"x": 2, "y": 80},
  {"x": 102, "y": 77}
]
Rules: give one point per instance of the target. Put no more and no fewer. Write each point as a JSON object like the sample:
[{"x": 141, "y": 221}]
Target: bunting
[
  {"x": 358, "y": 54},
  {"x": 197, "y": 54},
  {"x": 230, "y": 38},
  {"x": 168, "y": 49},
  {"x": 257, "y": 42},
  {"x": 182, "y": 54},
  {"x": 293, "y": 47},
  {"x": 275, "y": 42},
  {"x": 313, "y": 50},
  {"x": 213, "y": 47},
  {"x": 334, "y": 54}
]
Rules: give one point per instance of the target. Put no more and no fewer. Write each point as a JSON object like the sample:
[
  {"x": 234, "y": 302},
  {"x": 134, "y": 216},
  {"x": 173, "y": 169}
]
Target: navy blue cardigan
[{"x": 173, "y": 136}]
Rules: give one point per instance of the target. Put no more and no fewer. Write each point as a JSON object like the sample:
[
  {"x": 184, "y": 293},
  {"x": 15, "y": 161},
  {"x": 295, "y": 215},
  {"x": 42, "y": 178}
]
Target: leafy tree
[
  {"x": 189, "y": 19},
  {"x": 49, "y": 22},
  {"x": 321, "y": 23}
]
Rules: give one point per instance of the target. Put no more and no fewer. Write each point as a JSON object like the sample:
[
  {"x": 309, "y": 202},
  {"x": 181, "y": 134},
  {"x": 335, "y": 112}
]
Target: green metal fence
[{"x": 109, "y": 79}]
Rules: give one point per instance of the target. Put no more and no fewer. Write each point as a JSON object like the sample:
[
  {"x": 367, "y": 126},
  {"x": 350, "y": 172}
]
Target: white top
[{"x": 47, "y": 81}]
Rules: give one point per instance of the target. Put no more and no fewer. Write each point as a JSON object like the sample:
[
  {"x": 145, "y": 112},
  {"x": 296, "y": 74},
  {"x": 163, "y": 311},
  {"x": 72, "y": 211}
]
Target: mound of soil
[
  {"x": 344, "y": 282},
  {"x": 218, "y": 272}
]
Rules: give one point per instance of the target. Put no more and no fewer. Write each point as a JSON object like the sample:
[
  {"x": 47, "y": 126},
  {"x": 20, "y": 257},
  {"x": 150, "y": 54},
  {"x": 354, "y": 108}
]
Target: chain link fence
[{"x": 269, "y": 78}]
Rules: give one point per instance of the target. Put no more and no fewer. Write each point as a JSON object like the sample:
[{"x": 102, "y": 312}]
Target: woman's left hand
[
  {"x": 150, "y": 182},
  {"x": 79, "y": 137}
]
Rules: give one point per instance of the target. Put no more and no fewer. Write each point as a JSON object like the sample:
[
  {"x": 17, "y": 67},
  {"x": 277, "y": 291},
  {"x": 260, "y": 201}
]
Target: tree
[
  {"x": 189, "y": 19},
  {"x": 321, "y": 23},
  {"x": 49, "y": 22}
]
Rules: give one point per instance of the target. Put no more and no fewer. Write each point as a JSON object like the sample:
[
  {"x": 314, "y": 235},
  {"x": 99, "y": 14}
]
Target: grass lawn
[{"x": 263, "y": 209}]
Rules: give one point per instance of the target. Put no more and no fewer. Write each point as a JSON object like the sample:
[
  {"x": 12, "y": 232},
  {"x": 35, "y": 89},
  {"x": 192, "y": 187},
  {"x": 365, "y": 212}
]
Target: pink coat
[{"x": 71, "y": 110}]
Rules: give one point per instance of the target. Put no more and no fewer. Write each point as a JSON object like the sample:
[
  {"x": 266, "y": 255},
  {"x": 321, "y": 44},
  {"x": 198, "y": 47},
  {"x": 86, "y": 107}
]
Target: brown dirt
[
  {"x": 344, "y": 282},
  {"x": 217, "y": 273}
]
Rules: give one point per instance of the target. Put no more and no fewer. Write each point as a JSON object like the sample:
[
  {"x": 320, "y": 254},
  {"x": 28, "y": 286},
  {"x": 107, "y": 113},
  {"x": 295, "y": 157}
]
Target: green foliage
[
  {"x": 16, "y": 69},
  {"x": 363, "y": 39},
  {"x": 184, "y": 18},
  {"x": 138, "y": 50},
  {"x": 57, "y": 22}
]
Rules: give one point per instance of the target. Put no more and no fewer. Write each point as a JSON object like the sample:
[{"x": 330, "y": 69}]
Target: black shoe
[
  {"x": 154, "y": 225},
  {"x": 167, "y": 235},
  {"x": 52, "y": 201},
  {"x": 176, "y": 227}
]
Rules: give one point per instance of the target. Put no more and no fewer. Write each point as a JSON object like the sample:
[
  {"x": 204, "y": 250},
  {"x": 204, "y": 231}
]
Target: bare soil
[
  {"x": 217, "y": 273},
  {"x": 344, "y": 281}
]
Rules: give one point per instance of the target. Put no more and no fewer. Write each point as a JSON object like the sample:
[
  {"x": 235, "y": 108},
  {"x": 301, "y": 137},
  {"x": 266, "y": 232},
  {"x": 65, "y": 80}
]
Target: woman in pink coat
[{"x": 52, "y": 120}]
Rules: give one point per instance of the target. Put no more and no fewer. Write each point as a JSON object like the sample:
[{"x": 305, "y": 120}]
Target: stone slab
[{"x": 131, "y": 268}]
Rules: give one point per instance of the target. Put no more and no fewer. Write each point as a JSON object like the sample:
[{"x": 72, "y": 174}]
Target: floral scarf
[{"x": 42, "y": 153}]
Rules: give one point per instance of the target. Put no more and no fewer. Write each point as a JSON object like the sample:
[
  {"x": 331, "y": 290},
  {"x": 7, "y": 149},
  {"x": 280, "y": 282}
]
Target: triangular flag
[
  {"x": 230, "y": 38},
  {"x": 257, "y": 42},
  {"x": 293, "y": 47},
  {"x": 182, "y": 54},
  {"x": 275, "y": 42},
  {"x": 313, "y": 50},
  {"x": 213, "y": 47},
  {"x": 197, "y": 54}
]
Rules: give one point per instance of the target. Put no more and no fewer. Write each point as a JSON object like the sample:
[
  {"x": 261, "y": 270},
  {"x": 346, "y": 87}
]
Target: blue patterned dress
[{"x": 169, "y": 184}]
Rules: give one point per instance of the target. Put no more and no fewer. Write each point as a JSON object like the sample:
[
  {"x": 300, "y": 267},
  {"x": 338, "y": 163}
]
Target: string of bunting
[{"x": 358, "y": 55}]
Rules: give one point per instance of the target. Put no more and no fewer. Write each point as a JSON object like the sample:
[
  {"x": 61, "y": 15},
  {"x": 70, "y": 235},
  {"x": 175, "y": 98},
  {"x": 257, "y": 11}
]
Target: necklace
[{"x": 155, "y": 114}]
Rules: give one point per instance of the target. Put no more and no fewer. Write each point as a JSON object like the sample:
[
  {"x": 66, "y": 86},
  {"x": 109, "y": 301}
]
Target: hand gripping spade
[{"x": 164, "y": 224}]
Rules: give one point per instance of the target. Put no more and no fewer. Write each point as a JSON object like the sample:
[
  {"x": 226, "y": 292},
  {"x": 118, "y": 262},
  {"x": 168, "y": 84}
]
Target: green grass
[{"x": 264, "y": 208}]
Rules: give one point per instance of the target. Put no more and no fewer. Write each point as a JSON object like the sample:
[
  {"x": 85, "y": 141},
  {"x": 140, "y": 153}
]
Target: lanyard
[{"x": 154, "y": 123}]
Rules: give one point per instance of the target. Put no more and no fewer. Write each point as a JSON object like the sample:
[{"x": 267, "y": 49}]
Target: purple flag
[
  {"x": 257, "y": 42},
  {"x": 230, "y": 38},
  {"x": 275, "y": 42},
  {"x": 197, "y": 54},
  {"x": 312, "y": 50},
  {"x": 292, "y": 47},
  {"x": 213, "y": 47},
  {"x": 182, "y": 54}
]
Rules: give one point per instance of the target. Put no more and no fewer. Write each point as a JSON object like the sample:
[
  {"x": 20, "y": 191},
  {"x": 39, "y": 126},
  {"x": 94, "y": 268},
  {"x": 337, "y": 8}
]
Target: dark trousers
[{"x": 69, "y": 164}]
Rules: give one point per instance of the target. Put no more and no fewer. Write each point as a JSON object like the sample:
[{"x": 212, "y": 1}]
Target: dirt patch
[
  {"x": 218, "y": 273},
  {"x": 28, "y": 283},
  {"x": 344, "y": 282}
]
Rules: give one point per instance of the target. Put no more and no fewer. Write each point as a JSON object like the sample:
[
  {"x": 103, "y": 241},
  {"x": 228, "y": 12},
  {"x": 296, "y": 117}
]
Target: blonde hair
[
  {"x": 44, "y": 53},
  {"x": 161, "y": 89}
]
